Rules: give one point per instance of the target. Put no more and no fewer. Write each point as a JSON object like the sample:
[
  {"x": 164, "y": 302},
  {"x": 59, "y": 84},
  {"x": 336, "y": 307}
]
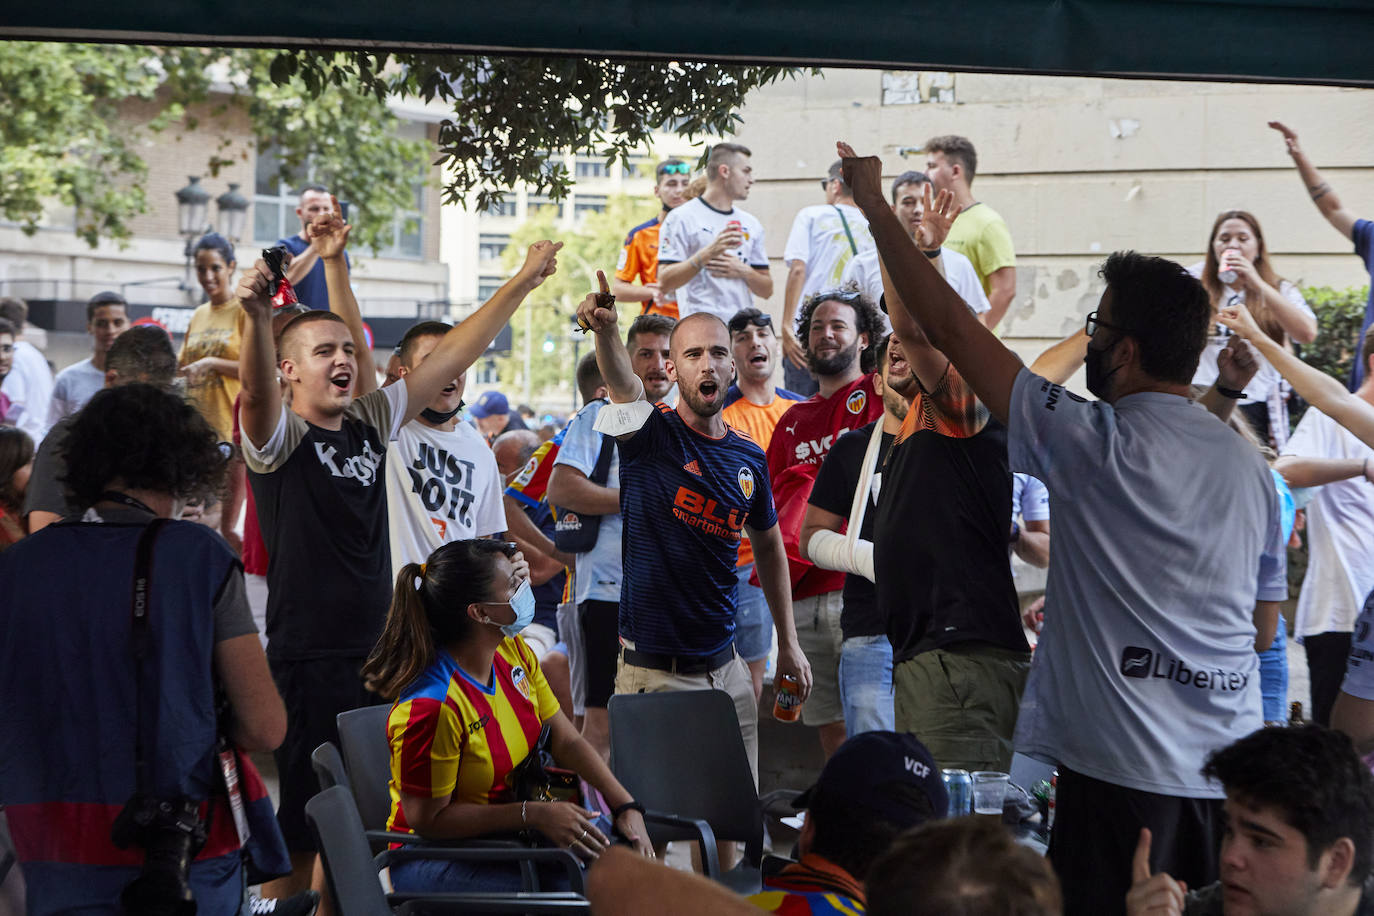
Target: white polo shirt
[
  {"x": 1167, "y": 531},
  {"x": 864, "y": 273}
]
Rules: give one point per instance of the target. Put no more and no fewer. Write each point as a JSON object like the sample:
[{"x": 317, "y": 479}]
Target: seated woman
[{"x": 470, "y": 705}]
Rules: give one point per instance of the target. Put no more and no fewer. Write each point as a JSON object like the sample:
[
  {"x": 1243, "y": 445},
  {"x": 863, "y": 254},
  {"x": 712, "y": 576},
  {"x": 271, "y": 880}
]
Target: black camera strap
[{"x": 141, "y": 640}]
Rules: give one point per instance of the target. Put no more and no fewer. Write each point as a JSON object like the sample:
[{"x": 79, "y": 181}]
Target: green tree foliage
[
  {"x": 593, "y": 244},
  {"x": 1340, "y": 313},
  {"x": 509, "y": 112}
]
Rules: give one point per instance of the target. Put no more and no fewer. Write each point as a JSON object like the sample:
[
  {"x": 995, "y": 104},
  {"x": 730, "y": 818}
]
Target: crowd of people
[{"x": 846, "y": 536}]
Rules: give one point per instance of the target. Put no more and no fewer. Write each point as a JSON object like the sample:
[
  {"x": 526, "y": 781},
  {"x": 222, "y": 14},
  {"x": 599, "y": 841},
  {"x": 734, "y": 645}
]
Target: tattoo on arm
[{"x": 1319, "y": 191}]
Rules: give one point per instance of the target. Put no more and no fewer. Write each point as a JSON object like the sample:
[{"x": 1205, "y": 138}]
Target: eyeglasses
[
  {"x": 825, "y": 183},
  {"x": 740, "y": 322},
  {"x": 1093, "y": 323},
  {"x": 674, "y": 168}
]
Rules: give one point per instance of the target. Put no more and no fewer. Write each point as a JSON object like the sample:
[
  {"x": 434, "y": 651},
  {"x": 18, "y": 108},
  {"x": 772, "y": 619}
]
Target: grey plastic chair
[
  {"x": 351, "y": 870},
  {"x": 681, "y": 752},
  {"x": 329, "y": 768}
]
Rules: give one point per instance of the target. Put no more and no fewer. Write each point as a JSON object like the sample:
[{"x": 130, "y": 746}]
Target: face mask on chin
[{"x": 1093, "y": 366}]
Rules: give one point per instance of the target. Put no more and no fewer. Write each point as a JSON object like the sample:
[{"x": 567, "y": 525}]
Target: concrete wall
[{"x": 1081, "y": 167}]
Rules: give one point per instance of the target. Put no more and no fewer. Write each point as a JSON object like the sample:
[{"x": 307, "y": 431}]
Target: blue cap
[
  {"x": 889, "y": 775},
  {"x": 491, "y": 402}
]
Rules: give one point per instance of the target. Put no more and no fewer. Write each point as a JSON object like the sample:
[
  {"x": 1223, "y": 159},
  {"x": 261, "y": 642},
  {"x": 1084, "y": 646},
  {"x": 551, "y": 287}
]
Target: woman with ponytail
[{"x": 470, "y": 702}]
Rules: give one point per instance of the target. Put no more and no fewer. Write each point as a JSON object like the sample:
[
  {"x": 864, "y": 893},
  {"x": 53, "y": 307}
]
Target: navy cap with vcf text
[{"x": 889, "y": 775}]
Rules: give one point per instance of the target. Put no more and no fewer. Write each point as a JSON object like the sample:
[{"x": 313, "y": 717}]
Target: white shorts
[
  {"x": 571, "y": 629},
  {"x": 539, "y": 638}
]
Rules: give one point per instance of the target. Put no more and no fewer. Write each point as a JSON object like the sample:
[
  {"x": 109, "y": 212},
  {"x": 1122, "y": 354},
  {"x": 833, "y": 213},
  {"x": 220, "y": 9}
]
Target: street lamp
[
  {"x": 192, "y": 202},
  {"x": 233, "y": 213}
]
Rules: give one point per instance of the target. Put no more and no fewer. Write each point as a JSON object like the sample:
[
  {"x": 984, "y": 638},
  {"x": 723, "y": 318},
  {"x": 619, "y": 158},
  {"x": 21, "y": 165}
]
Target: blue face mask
[{"x": 522, "y": 602}]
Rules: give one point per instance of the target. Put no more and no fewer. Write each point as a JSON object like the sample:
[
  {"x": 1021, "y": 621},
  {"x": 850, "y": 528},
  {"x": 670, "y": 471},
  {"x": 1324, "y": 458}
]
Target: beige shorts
[
  {"x": 732, "y": 677},
  {"x": 819, "y": 635}
]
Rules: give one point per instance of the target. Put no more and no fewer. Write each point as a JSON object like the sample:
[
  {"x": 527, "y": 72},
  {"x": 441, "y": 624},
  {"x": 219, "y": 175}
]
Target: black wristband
[
  {"x": 1231, "y": 393},
  {"x": 628, "y": 806},
  {"x": 931, "y": 254}
]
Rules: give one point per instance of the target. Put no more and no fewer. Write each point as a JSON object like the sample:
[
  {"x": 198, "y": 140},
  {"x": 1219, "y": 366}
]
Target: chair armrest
[
  {"x": 706, "y": 838},
  {"x": 490, "y": 903},
  {"x": 521, "y": 854}
]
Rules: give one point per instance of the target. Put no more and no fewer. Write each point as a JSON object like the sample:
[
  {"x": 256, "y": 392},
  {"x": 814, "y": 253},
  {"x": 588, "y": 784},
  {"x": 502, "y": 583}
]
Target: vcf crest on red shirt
[
  {"x": 746, "y": 482},
  {"x": 856, "y": 402}
]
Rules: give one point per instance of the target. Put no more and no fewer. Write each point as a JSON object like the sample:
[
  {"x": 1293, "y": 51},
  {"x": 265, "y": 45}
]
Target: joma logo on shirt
[
  {"x": 475, "y": 727},
  {"x": 362, "y": 468}
]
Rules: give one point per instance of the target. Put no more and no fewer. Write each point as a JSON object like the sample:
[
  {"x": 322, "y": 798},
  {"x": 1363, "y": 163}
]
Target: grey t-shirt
[
  {"x": 45, "y": 491},
  {"x": 1167, "y": 531}
]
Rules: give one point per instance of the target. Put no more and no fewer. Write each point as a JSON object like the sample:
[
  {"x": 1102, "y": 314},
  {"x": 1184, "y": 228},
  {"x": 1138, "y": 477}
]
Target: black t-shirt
[
  {"x": 940, "y": 533},
  {"x": 834, "y": 492},
  {"x": 321, "y": 498}
]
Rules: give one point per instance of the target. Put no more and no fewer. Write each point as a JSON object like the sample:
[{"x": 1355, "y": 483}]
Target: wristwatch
[
  {"x": 1231, "y": 393},
  {"x": 1015, "y": 533}
]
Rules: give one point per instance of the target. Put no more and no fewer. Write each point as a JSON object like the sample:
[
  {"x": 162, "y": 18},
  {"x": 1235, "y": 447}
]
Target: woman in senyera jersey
[{"x": 470, "y": 703}]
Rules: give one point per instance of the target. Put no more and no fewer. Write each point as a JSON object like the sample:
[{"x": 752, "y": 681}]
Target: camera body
[{"x": 171, "y": 833}]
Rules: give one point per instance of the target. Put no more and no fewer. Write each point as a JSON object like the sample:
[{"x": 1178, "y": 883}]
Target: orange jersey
[
  {"x": 757, "y": 423},
  {"x": 453, "y": 736},
  {"x": 639, "y": 264},
  {"x": 950, "y": 409}
]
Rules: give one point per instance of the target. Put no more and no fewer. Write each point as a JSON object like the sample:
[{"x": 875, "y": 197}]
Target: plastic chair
[
  {"x": 329, "y": 768},
  {"x": 366, "y": 759},
  {"x": 352, "y": 872},
  {"x": 681, "y": 752}
]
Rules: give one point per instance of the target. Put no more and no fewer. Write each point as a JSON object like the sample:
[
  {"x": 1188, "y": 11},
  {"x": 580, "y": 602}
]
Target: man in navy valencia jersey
[{"x": 690, "y": 488}]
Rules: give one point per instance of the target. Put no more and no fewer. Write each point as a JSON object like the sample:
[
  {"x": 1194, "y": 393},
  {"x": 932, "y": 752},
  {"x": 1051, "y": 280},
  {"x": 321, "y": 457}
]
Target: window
[
  {"x": 505, "y": 208},
  {"x": 274, "y": 200},
  {"x": 540, "y": 200},
  {"x": 484, "y": 373},
  {"x": 407, "y": 230},
  {"x": 491, "y": 247},
  {"x": 591, "y": 168},
  {"x": 588, "y": 203},
  {"x": 487, "y": 287}
]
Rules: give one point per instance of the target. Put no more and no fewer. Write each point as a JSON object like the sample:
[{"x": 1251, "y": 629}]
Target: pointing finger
[
  {"x": 601, "y": 279},
  {"x": 1140, "y": 862}
]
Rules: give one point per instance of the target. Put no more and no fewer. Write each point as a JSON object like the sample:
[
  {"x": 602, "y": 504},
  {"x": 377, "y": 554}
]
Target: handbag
[
  {"x": 538, "y": 778},
  {"x": 574, "y": 532}
]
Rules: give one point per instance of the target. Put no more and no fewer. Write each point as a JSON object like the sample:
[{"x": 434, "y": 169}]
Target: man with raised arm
[
  {"x": 1359, "y": 231},
  {"x": 1161, "y": 579},
  {"x": 316, "y": 469},
  {"x": 690, "y": 486}
]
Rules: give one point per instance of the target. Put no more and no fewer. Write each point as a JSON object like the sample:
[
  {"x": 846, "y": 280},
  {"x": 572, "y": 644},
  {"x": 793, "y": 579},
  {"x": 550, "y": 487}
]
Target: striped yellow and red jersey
[{"x": 451, "y": 735}]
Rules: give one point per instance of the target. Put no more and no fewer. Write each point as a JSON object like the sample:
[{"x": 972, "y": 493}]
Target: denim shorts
[
  {"x": 866, "y": 684},
  {"x": 753, "y": 622}
]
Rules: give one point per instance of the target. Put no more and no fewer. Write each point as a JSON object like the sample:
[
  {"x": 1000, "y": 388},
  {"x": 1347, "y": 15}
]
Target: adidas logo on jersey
[{"x": 692, "y": 467}]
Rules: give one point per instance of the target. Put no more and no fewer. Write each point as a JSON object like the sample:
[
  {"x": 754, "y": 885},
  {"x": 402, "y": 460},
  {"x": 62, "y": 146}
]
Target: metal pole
[{"x": 529, "y": 337}]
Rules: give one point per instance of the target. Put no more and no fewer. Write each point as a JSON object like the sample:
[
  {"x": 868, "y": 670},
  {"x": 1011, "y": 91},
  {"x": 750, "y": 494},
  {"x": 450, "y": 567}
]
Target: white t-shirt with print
[
  {"x": 818, "y": 239},
  {"x": 599, "y": 570},
  {"x": 441, "y": 486},
  {"x": 1340, "y": 531},
  {"x": 864, "y": 273},
  {"x": 690, "y": 228},
  {"x": 1167, "y": 531}
]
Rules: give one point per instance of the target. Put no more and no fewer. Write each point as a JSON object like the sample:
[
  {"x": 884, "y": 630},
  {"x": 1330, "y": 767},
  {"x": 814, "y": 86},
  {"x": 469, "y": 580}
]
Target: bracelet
[
  {"x": 931, "y": 254},
  {"x": 631, "y": 805},
  {"x": 1231, "y": 393}
]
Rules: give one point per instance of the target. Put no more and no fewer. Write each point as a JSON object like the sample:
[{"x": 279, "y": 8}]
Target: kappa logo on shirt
[{"x": 362, "y": 468}]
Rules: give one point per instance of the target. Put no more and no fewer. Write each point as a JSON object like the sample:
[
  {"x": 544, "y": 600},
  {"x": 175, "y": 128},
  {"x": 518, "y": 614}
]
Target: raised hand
[
  {"x": 937, "y": 217},
  {"x": 1240, "y": 321},
  {"x": 1290, "y": 136},
  {"x": 328, "y": 232},
  {"x": 597, "y": 312},
  {"x": 255, "y": 289},
  {"x": 541, "y": 262},
  {"x": 1152, "y": 895},
  {"x": 1236, "y": 364},
  {"x": 864, "y": 175}
]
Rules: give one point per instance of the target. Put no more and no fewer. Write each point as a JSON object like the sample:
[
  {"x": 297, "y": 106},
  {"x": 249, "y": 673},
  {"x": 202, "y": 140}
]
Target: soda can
[
  {"x": 787, "y": 705},
  {"x": 733, "y": 224},
  {"x": 1054, "y": 791},
  {"x": 959, "y": 785}
]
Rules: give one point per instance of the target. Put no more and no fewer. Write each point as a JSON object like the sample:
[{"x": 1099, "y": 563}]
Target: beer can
[
  {"x": 1049, "y": 811},
  {"x": 959, "y": 785},
  {"x": 734, "y": 225},
  {"x": 788, "y": 704}
]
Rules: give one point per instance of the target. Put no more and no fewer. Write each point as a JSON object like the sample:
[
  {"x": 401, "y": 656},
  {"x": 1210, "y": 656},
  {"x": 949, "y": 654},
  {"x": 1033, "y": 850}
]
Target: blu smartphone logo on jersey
[{"x": 704, "y": 512}]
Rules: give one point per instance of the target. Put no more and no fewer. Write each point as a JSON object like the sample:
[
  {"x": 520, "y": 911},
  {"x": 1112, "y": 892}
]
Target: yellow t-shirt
[
  {"x": 215, "y": 330},
  {"x": 981, "y": 235}
]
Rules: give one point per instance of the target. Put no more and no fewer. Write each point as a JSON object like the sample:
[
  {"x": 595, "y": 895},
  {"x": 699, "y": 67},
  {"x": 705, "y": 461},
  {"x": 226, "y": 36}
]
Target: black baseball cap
[{"x": 889, "y": 775}]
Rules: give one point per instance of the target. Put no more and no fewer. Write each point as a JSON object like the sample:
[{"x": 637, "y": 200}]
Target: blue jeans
[
  {"x": 753, "y": 622},
  {"x": 866, "y": 684},
  {"x": 1274, "y": 676}
]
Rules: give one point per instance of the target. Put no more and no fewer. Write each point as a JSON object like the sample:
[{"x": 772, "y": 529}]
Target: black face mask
[
  {"x": 1096, "y": 378},
  {"x": 435, "y": 416}
]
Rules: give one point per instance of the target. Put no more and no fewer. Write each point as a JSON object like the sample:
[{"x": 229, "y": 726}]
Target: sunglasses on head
[
  {"x": 674, "y": 168},
  {"x": 740, "y": 322}
]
